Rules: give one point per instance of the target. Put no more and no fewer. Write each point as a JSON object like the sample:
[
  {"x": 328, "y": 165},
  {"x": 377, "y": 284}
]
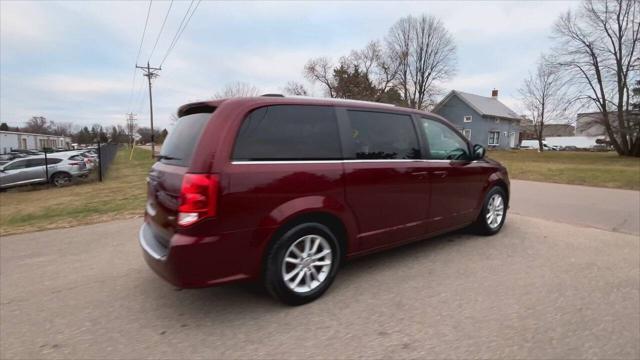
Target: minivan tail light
[{"x": 198, "y": 198}]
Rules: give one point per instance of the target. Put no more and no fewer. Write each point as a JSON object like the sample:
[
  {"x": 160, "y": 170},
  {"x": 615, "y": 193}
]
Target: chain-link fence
[{"x": 46, "y": 166}]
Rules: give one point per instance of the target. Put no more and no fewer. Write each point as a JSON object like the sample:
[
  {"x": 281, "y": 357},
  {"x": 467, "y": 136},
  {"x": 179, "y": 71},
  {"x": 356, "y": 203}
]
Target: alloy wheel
[
  {"x": 307, "y": 263},
  {"x": 495, "y": 211}
]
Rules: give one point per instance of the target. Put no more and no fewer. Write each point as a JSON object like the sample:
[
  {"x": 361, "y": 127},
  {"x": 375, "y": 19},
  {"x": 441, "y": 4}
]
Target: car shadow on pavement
[{"x": 218, "y": 305}]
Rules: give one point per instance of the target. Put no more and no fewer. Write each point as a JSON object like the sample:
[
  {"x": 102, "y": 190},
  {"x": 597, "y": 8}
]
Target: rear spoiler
[{"x": 197, "y": 108}]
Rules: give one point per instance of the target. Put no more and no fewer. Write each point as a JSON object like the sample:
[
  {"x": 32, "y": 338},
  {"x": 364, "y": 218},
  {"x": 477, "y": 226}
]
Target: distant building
[
  {"x": 592, "y": 124},
  {"x": 483, "y": 120},
  {"x": 527, "y": 132},
  {"x": 10, "y": 140}
]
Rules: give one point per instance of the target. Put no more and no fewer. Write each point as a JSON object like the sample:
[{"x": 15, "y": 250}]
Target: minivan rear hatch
[{"x": 166, "y": 175}]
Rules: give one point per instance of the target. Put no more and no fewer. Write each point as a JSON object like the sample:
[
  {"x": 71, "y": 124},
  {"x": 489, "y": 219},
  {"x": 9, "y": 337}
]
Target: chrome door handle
[
  {"x": 440, "y": 173},
  {"x": 420, "y": 173}
]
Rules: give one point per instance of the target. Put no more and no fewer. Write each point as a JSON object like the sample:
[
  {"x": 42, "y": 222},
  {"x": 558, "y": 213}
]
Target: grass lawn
[
  {"x": 122, "y": 194},
  {"x": 604, "y": 169}
]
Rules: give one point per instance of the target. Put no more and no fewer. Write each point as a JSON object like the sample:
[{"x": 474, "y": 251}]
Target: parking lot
[{"x": 539, "y": 289}]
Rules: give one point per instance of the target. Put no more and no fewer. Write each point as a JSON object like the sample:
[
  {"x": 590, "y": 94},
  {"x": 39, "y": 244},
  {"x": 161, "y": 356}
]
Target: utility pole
[
  {"x": 150, "y": 73},
  {"x": 131, "y": 126}
]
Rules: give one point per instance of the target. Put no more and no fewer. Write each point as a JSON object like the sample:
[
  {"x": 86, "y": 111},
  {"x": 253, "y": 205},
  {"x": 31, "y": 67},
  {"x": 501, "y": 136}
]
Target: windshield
[{"x": 178, "y": 148}]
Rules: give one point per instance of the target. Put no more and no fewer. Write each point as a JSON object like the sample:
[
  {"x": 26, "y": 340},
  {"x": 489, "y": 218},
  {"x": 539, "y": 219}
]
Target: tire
[
  {"x": 60, "y": 179},
  {"x": 487, "y": 224},
  {"x": 313, "y": 275}
]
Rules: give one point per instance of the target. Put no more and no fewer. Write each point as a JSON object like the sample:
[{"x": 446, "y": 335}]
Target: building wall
[
  {"x": 455, "y": 110},
  {"x": 14, "y": 140},
  {"x": 8, "y": 142}
]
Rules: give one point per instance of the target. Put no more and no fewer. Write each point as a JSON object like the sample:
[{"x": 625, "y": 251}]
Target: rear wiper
[{"x": 167, "y": 157}]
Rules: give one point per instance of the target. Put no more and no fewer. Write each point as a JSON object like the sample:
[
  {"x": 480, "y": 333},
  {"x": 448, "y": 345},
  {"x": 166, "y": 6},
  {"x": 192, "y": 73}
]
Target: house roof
[{"x": 485, "y": 106}]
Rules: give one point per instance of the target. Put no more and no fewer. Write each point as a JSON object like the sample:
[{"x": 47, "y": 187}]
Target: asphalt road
[
  {"x": 539, "y": 289},
  {"x": 607, "y": 209}
]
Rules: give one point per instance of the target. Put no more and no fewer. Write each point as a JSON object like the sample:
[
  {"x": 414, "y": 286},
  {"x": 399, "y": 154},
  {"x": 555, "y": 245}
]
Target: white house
[{"x": 10, "y": 140}]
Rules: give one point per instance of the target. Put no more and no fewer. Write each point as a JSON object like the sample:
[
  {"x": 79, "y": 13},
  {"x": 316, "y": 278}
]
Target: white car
[{"x": 533, "y": 145}]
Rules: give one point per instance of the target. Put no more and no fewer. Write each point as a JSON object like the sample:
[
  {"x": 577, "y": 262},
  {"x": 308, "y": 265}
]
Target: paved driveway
[
  {"x": 538, "y": 289},
  {"x": 608, "y": 209}
]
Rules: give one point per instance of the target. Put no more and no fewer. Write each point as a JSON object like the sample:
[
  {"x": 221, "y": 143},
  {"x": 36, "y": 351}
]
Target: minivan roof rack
[
  {"x": 272, "y": 95},
  {"x": 344, "y": 100}
]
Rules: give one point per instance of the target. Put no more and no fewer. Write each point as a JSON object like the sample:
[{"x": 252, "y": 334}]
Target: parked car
[
  {"x": 283, "y": 190},
  {"x": 533, "y": 145},
  {"x": 31, "y": 170}
]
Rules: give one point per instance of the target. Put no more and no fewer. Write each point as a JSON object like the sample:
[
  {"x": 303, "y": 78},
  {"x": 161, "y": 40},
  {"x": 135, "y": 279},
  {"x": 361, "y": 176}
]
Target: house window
[
  {"x": 467, "y": 133},
  {"x": 494, "y": 137},
  {"x": 467, "y": 118},
  {"x": 497, "y": 121}
]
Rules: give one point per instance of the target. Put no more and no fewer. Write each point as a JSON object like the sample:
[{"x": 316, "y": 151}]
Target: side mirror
[{"x": 478, "y": 152}]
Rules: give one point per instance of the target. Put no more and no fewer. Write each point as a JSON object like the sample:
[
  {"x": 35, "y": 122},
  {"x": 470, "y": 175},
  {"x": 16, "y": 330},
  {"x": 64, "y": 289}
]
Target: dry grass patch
[{"x": 122, "y": 194}]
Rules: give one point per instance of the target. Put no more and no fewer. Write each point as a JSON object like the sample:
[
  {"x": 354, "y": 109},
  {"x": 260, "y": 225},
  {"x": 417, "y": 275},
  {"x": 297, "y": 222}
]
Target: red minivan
[{"x": 283, "y": 190}]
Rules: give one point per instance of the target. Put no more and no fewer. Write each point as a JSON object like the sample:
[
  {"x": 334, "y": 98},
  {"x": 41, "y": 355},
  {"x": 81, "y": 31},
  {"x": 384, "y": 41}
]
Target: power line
[
  {"x": 159, "y": 33},
  {"x": 133, "y": 78},
  {"x": 180, "y": 30},
  {"x": 146, "y": 22}
]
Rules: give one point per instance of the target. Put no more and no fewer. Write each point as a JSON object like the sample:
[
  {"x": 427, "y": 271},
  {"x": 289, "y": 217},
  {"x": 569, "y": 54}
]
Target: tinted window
[
  {"x": 378, "y": 135},
  {"x": 444, "y": 143},
  {"x": 76, "y": 158},
  {"x": 20, "y": 164},
  {"x": 178, "y": 147},
  {"x": 287, "y": 132},
  {"x": 53, "y": 161},
  {"x": 35, "y": 162}
]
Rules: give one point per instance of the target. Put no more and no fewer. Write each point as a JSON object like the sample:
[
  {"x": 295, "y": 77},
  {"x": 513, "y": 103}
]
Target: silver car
[{"x": 31, "y": 170}]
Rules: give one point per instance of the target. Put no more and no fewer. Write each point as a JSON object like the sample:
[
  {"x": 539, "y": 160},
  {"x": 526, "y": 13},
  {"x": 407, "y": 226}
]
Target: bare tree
[
  {"x": 321, "y": 70},
  {"x": 60, "y": 128},
  {"x": 295, "y": 88},
  {"x": 598, "y": 47},
  {"x": 37, "y": 125},
  {"x": 425, "y": 54},
  {"x": 544, "y": 97},
  {"x": 377, "y": 64},
  {"x": 237, "y": 89}
]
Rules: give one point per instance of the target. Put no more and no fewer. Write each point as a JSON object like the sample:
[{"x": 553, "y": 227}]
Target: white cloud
[
  {"x": 263, "y": 43},
  {"x": 24, "y": 25},
  {"x": 81, "y": 85}
]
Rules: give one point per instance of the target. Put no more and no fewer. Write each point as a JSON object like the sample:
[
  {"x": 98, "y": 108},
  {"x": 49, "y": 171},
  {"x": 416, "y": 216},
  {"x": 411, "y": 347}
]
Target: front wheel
[
  {"x": 493, "y": 213},
  {"x": 302, "y": 264}
]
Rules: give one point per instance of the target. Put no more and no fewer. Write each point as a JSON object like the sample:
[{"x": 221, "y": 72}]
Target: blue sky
[{"x": 73, "y": 61}]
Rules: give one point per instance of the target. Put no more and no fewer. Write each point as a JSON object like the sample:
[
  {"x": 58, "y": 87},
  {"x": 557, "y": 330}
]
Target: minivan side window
[
  {"x": 444, "y": 143},
  {"x": 380, "y": 135},
  {"x": 289, "y": 132}
]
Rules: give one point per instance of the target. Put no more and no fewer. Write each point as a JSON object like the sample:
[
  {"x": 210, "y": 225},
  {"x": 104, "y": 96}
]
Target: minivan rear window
[
  {"x": 289, "y": 132},
  {"x": 178, "y": 147}
]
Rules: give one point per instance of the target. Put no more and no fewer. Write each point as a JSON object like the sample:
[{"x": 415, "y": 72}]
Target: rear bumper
[{"x": 194, "y": 262}]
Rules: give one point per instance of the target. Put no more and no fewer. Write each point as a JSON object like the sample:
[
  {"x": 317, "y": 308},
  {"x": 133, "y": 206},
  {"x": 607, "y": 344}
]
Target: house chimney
[{"x": 494, "y": 94}]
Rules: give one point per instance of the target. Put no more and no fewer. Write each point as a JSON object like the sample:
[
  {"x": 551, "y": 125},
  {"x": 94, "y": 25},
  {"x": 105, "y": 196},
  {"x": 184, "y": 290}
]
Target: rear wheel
[
  {"x": 494, "y": 212},
  {"x": 302, "y": 264},
  {"x": 60, "y": 179}
]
